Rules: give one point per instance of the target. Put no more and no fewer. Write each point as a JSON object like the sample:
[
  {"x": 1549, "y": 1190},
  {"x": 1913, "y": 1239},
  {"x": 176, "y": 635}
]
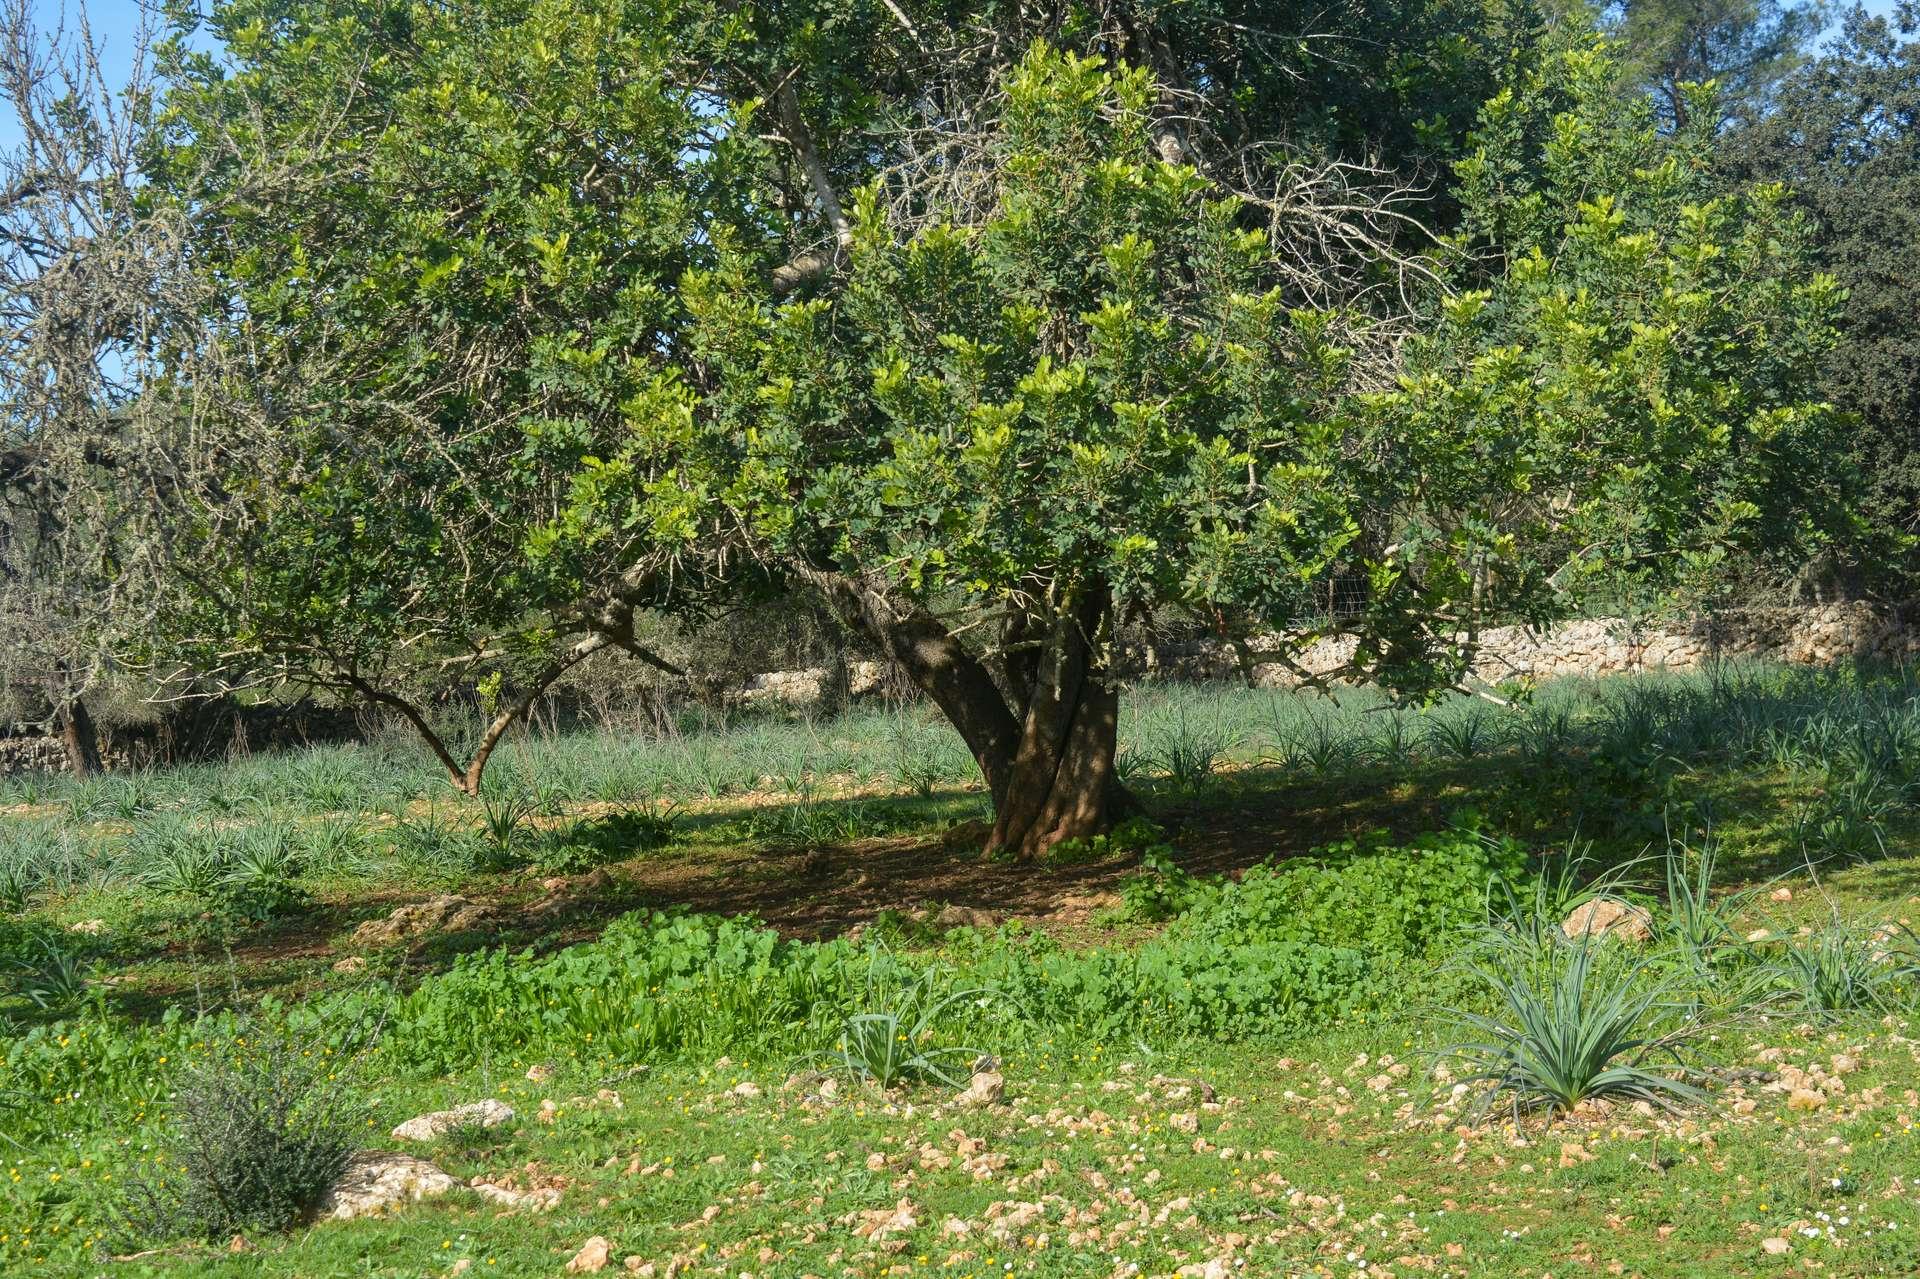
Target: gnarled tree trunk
[
  {"x": 81, "y": 740},
  {"x": 1046, "y": 743},
  {"x": 1061, "y": 783}
]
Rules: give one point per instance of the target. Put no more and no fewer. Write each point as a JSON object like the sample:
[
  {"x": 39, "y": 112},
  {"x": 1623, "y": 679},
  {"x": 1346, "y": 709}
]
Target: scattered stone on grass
[
  {"x": 1216, "y": 1268},
  {"x": 967, "y": 834},
  {"x": 1609, "y": 917},
  {"x": 1077, "y": 904},
  {"x": 376, "y": 1180},
  {"x": 565, "y": 896},
  {"x": 539, "y": 1199},
  {"x": 875, "y": 1225},
  {"x": 592, "y": 1257},
  {"x": 429, "y": 1127},
  {"x": 446, "y": 913},
  {"x": 985, "y": 1089}
]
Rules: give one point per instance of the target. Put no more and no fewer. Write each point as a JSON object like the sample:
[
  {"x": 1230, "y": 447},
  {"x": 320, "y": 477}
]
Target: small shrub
[
  {"x": 641, "y": 827},
  {"x": 260, "y": 1126},
  {"x": 1159, "y": 890},
  {"x": 1135, "y": 836}
]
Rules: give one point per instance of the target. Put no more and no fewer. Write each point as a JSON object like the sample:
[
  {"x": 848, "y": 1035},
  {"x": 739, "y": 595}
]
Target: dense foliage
[
  {"x": 1743, "y": 46},
  {"x": 1844, "y": 135},
  {"x": 1625, "y": 394}
]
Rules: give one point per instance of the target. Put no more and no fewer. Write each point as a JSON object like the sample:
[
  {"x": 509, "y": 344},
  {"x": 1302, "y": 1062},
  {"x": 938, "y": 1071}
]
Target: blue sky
[{"x": 115, "y": 21}]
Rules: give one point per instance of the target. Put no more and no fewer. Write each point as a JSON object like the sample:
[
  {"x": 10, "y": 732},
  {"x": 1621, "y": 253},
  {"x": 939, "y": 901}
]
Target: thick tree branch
[
  {"x": 937, "y": 663},
  {"x": 793, "y": 128}
]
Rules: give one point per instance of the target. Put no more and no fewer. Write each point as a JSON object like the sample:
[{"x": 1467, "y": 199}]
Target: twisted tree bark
[{"x": 1046, "y": 744}]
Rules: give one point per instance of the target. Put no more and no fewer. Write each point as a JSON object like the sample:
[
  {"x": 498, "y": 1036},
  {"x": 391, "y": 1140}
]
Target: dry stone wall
[
  {"x": 45, "y": 755},
  {"x": 1811, "y": 635},
  {"x": 1814, "y": 635}
]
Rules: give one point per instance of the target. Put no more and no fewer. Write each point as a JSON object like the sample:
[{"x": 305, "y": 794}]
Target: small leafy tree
[
  {"x": 442, "y": 253},
  {"x": 1077, "y": 384},
  {"x": 538, "y": 313},
  {"x": 444, "y": 246}
]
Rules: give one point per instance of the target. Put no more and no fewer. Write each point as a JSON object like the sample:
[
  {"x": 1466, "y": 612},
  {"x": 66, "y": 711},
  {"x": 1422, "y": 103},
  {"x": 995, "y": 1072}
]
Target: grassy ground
[
  {"x": 1335, "y": 1161},
  {"x": 1330, "y": 1145}
]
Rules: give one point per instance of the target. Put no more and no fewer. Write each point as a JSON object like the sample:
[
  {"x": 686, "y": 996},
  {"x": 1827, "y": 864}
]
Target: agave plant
[
  {"x": 1464, "y": 737},
  {"x": 55, "y": 980},
  {"x": 1189, "y": 753},
  {"x": 890, "y": 1042},
  {"x": 1565, "y": 1032},
  {"x": 1394, "y": 744},
  {"x": 503, "y": 814},
  {"x": 185, "y": 863},
  {"x": 260, "y": 870},
  {"x": 1700, "y": 924},
  {"x": 1841, "y": 969},
  {"x": 19, "y": 881}
]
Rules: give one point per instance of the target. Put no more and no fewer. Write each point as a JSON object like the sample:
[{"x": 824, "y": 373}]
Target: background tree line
[{"x": 386, "y": 348}]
